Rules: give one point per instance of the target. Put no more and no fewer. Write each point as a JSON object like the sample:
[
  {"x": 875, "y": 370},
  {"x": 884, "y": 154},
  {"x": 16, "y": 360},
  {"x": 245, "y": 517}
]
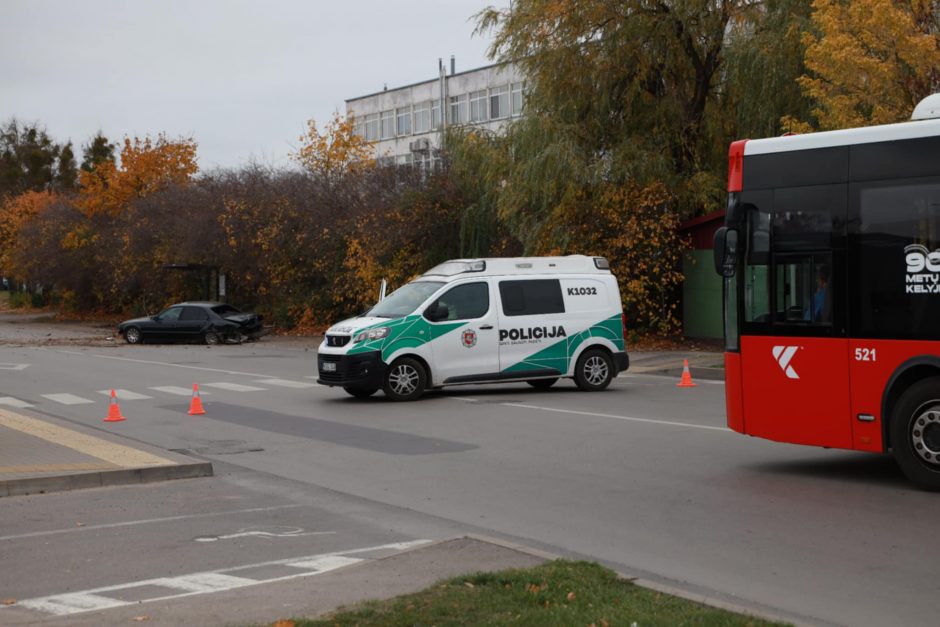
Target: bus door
[{"x": 794, "y": 351}]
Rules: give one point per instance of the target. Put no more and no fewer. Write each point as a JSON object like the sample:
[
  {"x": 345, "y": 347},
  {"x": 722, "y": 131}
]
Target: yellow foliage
[
  {"x": 870, "y": 63},
  {"x": 16, "y": 212},
  {"x": 147, "y": 165},
  {"x": 335, "y": 151}
]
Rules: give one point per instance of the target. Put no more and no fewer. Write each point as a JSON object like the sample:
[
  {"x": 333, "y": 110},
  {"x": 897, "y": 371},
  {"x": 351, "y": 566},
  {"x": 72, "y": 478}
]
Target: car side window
[
  {"x": 194, "y": 313},
  {"x": 170, "y": 315},
  {"x": 466, "y": 302},
  {"x": 531, "y": 297}
]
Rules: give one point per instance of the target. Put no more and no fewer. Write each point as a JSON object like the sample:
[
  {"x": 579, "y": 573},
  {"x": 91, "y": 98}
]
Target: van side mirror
[
  {"x": 437, "y": 312},
  {"x": 726, "y": 251}
]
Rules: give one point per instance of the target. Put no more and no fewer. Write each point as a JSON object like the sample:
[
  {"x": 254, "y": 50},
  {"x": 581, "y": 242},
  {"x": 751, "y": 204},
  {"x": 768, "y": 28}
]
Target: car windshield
[{"x": 404, "y": 300}]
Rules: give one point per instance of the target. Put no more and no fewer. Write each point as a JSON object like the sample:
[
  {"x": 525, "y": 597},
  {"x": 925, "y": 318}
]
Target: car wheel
[
  {"x": 211, "y": 338},
  {"x": 405, "y": 380},
  {"x": 594, "y": 370},
  {"x": 915, "y": 433},
  {"x": 542, "y": 384},
  {"x": 361, "y": 392},
  {"x": 132, "y": 335}
]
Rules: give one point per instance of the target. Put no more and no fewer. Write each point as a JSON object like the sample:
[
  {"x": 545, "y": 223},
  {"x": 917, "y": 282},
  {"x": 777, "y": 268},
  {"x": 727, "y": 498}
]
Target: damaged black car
[{"x": 210, "y": 323}]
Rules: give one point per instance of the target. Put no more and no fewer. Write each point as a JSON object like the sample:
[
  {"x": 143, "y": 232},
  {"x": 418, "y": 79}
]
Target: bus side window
[
  {"x": 803, "y": 293},
  {"x": 757, "y": 269}
]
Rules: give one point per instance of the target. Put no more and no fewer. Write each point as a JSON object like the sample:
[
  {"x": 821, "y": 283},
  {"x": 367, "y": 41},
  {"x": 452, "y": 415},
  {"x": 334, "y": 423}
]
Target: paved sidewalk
[
  {"x": 708, "y": 365},
  {"x": 44, "y": 454}
]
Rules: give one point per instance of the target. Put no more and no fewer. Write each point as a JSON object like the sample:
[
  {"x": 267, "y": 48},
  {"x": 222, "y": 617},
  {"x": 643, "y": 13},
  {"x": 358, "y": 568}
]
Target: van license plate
[{"x": 329, "y": 366}]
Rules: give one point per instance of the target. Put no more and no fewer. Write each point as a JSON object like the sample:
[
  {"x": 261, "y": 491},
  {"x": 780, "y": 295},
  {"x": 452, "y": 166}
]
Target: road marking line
[
  {"x": 157, "y": 363},
  {"x": 125, "y": 395},
  {"x": 177, "y": 390},
  {"x": 67, "y": 399},
  {"x": 234, "y": 387},
  {"x": 65, "y": 604},
  {"x": 627, "y": 418},
  {"x": 123, "y": 456},
  {"x": 14, "y": 402},
  {"x": 205, "y": 582},
  {"x": 200, "y": 583},
  {"x": 285, "y": 383},
  {"x": 148, "y": 521},
  {"x": 8, "y": 366},
  {"x": 322, "y": 564}
]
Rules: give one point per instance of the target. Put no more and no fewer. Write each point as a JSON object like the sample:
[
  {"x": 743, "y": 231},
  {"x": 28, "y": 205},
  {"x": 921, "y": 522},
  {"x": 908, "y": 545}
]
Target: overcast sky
[{"x": 241, "y": 77}]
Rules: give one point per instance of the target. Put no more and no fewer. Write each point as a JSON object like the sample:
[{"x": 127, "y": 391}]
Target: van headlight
[{"x": 371, "y": 334}]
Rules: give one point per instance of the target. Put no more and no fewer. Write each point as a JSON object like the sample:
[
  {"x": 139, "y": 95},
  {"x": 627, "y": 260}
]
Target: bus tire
[
  {"x": 915, "y": 433},
  {"x": 404, "y": 380},
  {"x": 594, "y": 370}
]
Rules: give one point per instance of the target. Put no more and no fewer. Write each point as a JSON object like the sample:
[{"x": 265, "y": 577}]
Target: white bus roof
[
  {"x": 498, "y": 266},
  {"x": 847, "y": 137}
]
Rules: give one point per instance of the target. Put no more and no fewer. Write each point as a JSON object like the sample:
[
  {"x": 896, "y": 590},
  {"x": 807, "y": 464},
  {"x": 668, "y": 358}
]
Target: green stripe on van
[{"x": 558, "y": 355}]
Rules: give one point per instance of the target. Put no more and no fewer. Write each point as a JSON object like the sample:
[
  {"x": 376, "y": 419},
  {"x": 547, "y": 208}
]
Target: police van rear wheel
[
  {"x": 361, "y": 392},
  {"x": 915, "y": 433},
  {"x": 542, "y": 383},
  {"x": 405, "y": 380},
  {"x": 594, "y": 370}
]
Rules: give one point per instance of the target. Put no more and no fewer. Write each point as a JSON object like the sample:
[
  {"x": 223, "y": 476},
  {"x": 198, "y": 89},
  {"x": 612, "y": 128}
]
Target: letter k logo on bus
[{"x": 783, "y": 355}]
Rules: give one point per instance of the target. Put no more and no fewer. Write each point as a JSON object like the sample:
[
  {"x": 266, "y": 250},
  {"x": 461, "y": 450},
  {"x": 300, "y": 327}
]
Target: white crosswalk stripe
[
  {"x": 178, "y": 390},
  {"x": 286, "y": 383},
  {"x": 68, "y": 399},
  {"x": 14, "y": 402},
  {"x": 125, "y": 395},
  {"x": 233, "y": 387}
]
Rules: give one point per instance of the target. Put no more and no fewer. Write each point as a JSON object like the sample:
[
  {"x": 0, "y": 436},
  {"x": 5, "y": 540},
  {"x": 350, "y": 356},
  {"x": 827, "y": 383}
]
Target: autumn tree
[
  {"x": 146, "y": 166},
  {"x": 15, "y": 213},
  {"x": 869, "y": 61},
  {"x": 335, "y": 151},
  {"x": 66, "y": 175}
]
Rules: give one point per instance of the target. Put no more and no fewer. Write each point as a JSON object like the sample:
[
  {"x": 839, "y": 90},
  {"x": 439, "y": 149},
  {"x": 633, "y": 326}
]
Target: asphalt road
[{"x": 643, "y": 477}]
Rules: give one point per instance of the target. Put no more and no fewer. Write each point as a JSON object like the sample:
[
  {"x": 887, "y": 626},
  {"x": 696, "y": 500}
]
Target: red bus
[{"x": 830, "y": 257}]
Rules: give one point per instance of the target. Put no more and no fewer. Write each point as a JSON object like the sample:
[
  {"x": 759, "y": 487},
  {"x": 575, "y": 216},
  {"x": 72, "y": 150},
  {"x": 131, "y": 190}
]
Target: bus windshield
[{"x": 404, "y": 300}]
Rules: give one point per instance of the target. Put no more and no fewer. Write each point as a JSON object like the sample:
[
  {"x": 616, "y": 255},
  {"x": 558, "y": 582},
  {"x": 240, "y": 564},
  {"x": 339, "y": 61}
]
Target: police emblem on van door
[{"x": 469, "y": 338}]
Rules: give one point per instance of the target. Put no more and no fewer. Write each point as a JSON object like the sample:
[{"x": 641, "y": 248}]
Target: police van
[{"x": 531, "y": 319}]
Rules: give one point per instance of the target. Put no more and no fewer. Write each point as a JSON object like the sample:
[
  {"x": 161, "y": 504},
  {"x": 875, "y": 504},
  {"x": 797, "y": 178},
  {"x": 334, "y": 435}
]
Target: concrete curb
[{"x": 98, "y": 479}]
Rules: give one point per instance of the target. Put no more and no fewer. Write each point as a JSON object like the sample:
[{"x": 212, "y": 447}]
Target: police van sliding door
[{"x": 794, "y": 351}]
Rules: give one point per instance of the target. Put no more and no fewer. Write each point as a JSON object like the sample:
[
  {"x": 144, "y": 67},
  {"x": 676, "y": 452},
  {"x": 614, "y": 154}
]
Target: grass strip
[{"x": 555, "y": 593}]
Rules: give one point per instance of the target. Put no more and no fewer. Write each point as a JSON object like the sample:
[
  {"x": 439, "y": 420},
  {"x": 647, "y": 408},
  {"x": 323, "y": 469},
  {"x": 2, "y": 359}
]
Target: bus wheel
[
  {"x": 405, "y": 380},
  {"x": 915, "y": 433},
  {"x": 594, "y": 370}
]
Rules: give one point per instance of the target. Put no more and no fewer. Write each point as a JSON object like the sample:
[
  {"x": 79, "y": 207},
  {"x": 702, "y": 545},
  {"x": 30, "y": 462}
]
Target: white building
[{"x": 405, "y": 124}]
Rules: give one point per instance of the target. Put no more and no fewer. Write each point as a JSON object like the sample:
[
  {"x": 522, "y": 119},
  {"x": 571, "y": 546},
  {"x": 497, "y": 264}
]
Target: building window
[
  {"x": 423, "y": 117},
  {"x": 458, "y": 109},
  {"x": 360, "y": 127},
  {"x": 436, "y": 114},
  {"x": 478, "y": 106},
  {"x": 499, "y": 102},
  {"x": 388, "y": 124},
  {"x": 404, "y": 121},
  {"x": 372, "y": 127},
  {"x": 517, "y": 98}
]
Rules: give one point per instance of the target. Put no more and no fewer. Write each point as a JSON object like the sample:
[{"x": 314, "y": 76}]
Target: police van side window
[
  {"x": 466, "y": 302},
  {"x": 531, "y": 297}
]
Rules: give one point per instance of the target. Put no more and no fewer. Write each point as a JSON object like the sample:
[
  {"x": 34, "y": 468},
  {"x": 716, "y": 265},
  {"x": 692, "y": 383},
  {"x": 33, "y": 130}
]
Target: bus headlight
[{"x": 371, "y": 334}]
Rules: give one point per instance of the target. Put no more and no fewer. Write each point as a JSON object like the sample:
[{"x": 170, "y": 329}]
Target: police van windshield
[{"x": 404, "y": 300}]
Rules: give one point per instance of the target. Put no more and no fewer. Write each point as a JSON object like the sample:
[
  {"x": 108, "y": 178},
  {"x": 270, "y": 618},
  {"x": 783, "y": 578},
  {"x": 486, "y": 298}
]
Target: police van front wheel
[
  {"x": 594, "y": 370},
  {"x": 405, "y": 380}
]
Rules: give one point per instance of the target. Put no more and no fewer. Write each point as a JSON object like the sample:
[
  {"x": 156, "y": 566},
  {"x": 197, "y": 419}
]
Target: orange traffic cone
[
  {"x": 114, "y": 411},
  {"x": 195, "y": 405},
  {"x": 686, "y": 381}
]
